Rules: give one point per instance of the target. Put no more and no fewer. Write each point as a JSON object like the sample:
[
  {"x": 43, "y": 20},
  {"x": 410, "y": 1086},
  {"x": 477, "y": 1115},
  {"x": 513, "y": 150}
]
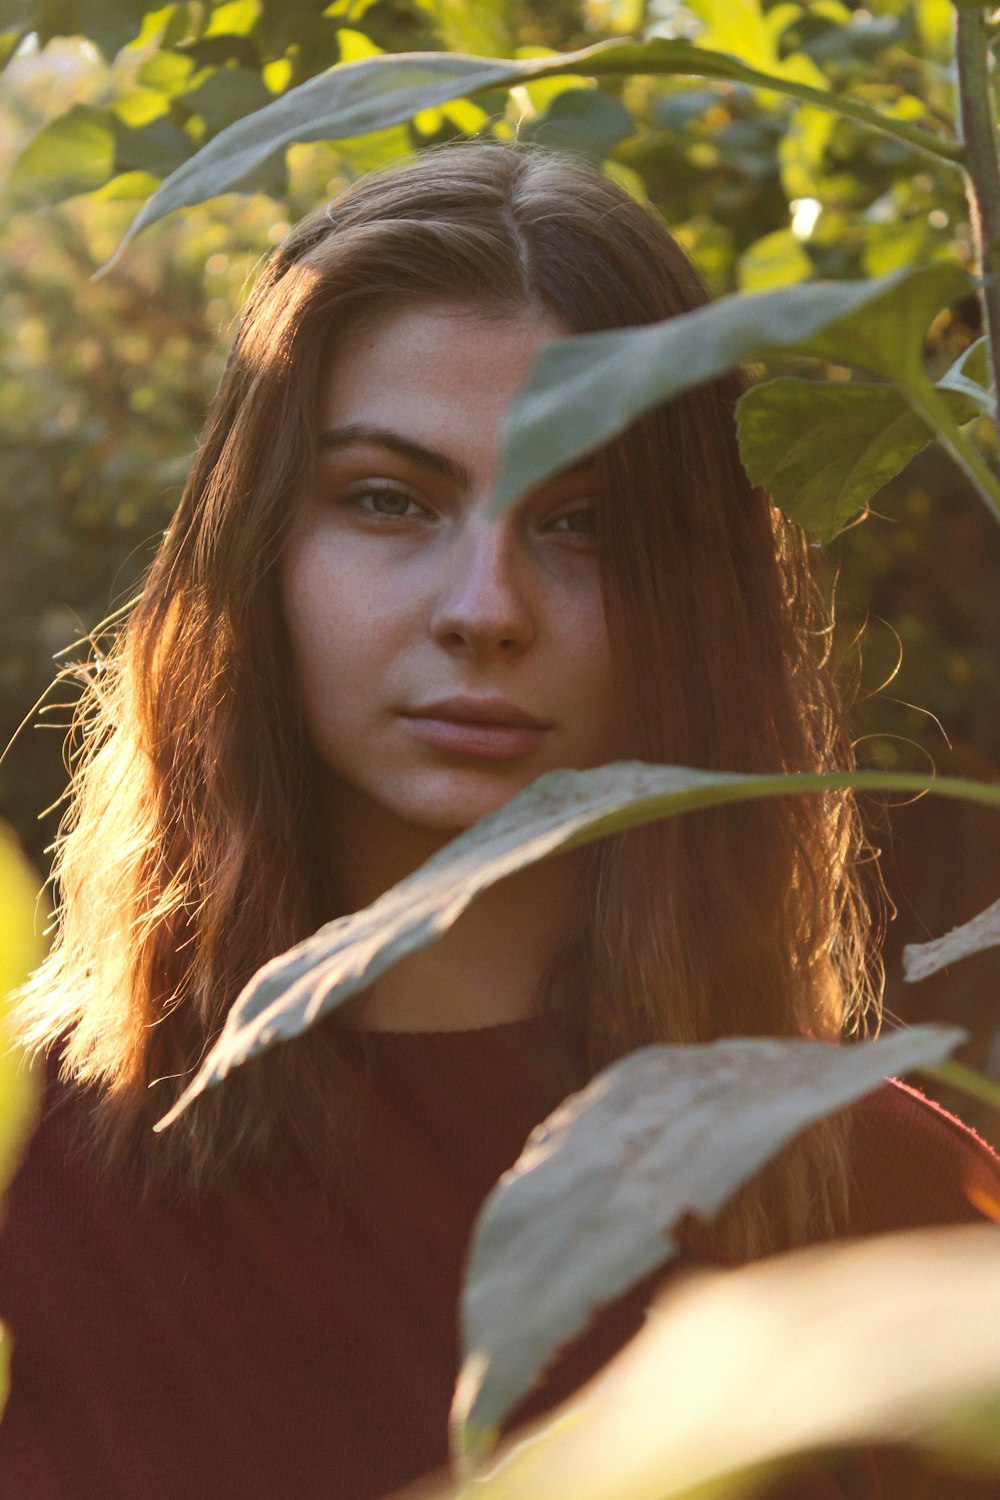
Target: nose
[{"x": 482, "y": 605}]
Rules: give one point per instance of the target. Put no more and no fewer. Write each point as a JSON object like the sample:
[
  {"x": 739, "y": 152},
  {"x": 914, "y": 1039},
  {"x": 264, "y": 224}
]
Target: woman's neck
[{"x": 490, "y": 966}]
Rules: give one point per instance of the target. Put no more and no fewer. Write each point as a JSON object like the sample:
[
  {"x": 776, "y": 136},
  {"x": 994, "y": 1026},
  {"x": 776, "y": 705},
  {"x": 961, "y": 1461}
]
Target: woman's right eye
[{"x": 386, "y": 503}]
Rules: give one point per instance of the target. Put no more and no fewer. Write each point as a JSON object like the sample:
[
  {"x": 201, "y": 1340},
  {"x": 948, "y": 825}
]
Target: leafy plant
[{"x": 873, "y": 329}]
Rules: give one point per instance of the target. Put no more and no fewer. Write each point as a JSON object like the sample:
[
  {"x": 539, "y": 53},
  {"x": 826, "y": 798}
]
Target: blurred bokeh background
[{"x": 104, "y": 384}]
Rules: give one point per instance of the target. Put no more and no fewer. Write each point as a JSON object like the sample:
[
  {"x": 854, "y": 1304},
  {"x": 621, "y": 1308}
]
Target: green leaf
[
  {"x": 589, "y": 1207},
  {"x": 561, "y": 810},
  {"x": 233, "y": 18},
  {"x": 889, "y": 1339},
  {"x": 155, "y": 148},
  {"x": 9, "y": 43},
  {"x": 21, "y": 948},
  {"x": 359, "y": 97},
  {"x": 168, "y": 72},
  {"x": 887, "y": 336},
  {"x": 226, "y": 95},
  {"x": 111, "y": 24},
  {"x": 776, "y": 259},
  {"x": 489, "y": 26},
  {"x": 126, "y": 185},
  {"x": 583, "y": 120},
  {"x": 583, "y": 391},
  {"x": 920, "y": 960},
  {"x": 822, "y": 449},
  {"x": 74, "y": 153}
]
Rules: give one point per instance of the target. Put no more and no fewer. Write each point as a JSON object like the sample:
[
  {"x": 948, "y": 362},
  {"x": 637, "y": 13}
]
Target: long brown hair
[{"x": 187, "y": 859}]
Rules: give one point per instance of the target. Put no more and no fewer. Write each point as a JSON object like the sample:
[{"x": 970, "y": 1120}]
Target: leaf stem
[
  {"x": 720, "y": 69},
  {"x": 982, "y": 174},
  {"x": 934, "y": 409}
]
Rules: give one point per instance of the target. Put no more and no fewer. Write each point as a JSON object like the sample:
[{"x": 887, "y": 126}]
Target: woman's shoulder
[{"x": 912, "y": 1164}]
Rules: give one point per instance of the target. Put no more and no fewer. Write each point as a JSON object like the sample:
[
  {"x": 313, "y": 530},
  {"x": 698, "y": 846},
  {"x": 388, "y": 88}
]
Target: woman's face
[{"x": 446, "y": 657}]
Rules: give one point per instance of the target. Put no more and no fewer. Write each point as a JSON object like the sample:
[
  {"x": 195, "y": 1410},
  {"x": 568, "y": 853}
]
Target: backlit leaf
[
  {"x": 776, "y": 259},
  {"x": 74, "y": 153},
  {"x": 822, "y": 449},
  {"x": 889, "y": 1339},
  {"x": 358, "y": 97},
  {"x": 588, "y": 1208},
  {"x": 233, "y": 18},
  {"x": 561, "y": 810}
]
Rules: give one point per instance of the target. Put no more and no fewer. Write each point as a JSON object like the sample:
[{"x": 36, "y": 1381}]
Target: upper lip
[{"x": 478, "y": 711}]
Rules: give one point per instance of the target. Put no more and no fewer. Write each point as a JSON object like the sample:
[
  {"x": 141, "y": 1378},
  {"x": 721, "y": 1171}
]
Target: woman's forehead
[{"x": 431, "y": 370}]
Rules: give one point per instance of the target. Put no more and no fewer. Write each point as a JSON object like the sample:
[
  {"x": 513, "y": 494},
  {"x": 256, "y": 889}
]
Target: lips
[
  {"x": 478, "y": 711},
  {"x": 477, "y": 728}
]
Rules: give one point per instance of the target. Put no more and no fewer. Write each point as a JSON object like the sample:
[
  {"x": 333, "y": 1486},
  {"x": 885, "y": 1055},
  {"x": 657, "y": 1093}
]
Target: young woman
[{"x": 340, "y": 659}]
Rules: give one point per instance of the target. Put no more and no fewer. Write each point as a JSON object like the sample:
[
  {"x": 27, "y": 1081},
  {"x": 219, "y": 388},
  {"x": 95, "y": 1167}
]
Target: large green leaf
[
  {"x": 889, "y": 1339},
  {"x": 583, "y": 391},
  {"x": 887, "y": 337},
  {"x": 74, "y": 153},
  {"x": 558, "y": 811},
  {"x": 589, "y": 1207},
  {"x": 822, "y": 449},
  {"x": 358, "y": 97}
]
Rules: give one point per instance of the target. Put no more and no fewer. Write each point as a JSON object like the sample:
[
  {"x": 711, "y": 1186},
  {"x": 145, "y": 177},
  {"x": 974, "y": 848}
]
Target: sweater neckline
[{"x": 525, "y": 1024}]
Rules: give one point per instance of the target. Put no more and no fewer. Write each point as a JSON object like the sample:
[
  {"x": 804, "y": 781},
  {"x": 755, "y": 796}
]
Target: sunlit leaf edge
[
  {"x": 316, "y": 110},
  {"x": 560, "y": 810}
]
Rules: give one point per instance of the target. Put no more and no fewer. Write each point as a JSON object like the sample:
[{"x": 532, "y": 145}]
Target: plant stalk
[
  {"x": 935, "y": 411},
  {"x": 977, "y": 128}
]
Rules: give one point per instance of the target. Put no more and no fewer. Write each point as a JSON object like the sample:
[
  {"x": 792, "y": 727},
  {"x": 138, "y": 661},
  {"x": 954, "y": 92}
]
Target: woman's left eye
[
  {"x": 387, "y": 503},
  {"x": 580, "y": 522}
]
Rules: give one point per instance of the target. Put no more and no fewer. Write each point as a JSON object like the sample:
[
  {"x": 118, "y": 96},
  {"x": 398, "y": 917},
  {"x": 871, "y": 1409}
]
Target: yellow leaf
[
  {"x": 21, "y": 948},
  {"x": 774, "y": 260}
]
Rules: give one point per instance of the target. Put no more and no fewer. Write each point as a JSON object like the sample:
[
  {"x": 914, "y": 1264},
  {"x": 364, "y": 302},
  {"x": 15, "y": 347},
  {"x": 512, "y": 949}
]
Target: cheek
[{"x": 317, "y": 617}]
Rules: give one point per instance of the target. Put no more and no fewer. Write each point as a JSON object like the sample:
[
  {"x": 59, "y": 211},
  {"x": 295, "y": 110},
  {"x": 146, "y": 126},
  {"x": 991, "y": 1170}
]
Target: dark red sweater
[{"x": 236, "y": 1350}]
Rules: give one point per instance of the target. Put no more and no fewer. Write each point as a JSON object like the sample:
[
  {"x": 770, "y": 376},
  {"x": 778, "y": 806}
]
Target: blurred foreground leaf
[
  {"x": 589, "y": 1207},
  {"x": 20, "y": 950},
  {"x": 558, "y": 811},
  {"x": 890, "y": 1339}
]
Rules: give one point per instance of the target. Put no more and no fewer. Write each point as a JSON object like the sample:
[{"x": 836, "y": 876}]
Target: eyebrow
[{"x": 384, "y": 437}]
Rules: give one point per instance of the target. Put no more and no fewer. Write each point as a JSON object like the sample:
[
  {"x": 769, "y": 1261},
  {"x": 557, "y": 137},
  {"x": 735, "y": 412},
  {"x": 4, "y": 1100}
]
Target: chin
[{"x": 448, "y": 816}]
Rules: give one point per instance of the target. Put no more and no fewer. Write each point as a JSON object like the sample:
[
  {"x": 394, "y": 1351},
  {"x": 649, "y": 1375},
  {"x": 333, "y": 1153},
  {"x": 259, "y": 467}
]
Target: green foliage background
[{"x": 103, "y": 385}]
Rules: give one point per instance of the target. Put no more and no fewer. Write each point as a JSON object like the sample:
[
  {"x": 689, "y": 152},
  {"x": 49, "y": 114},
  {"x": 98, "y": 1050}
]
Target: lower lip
[{"x": 477, "y": 741}]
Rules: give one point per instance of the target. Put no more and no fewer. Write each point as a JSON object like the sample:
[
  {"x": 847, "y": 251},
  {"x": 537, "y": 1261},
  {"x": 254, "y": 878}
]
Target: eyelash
[
  {"x": 374, "y": 491},
  {"x": 587, "y": 510}
]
